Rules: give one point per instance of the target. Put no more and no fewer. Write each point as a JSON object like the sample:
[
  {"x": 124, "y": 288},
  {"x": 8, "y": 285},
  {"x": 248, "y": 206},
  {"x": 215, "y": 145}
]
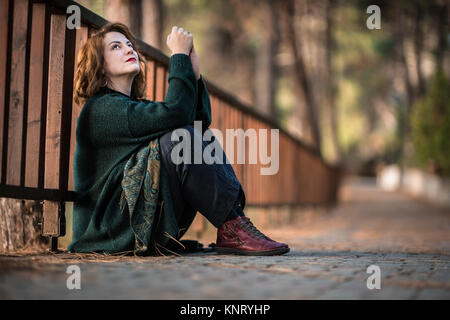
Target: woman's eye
[{"x": 114, "y": 46}]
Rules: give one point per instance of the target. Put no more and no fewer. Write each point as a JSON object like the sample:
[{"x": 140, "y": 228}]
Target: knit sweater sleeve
[{"x": 203, "y": 112}]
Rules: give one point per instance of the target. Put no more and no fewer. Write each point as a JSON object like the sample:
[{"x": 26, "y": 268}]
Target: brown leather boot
[{"x": 240, "y": 236}]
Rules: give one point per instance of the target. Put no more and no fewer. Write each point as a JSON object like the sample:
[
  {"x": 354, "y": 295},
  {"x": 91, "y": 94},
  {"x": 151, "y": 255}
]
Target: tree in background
[
  {"x": 295, "y": 39},
  {"x": 430, "y": 122},
  {"x": 419, "y": 57},
  {"x": 330, "y": 45},
  {"x": 261, "y": 20},
  {"x": 144, "y": 17}
]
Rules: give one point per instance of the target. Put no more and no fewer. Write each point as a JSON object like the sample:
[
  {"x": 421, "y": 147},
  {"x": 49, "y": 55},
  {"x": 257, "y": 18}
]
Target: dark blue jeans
[{"x": 211, "y": 189}]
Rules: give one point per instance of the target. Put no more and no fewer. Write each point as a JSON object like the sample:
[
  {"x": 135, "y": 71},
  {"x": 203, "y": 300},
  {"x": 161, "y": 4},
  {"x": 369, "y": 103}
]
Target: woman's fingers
[
  {"x": 180, "y": 30},
  {"x": 176, "y": 29},
  {"x": 180, "y": 40}
]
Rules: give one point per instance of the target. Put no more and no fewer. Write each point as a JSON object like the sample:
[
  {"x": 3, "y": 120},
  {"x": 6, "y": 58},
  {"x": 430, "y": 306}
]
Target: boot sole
[{"x": 275, "y": 252}]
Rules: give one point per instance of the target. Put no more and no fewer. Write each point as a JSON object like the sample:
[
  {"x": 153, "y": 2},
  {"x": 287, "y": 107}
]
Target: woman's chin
[
  {"x": 133, "y": 71},
  {"x": 128, "y": 71}
]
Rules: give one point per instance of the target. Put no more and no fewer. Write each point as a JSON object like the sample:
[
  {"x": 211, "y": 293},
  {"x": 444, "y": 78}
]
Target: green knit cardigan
[{"x": 111, "y": 129}]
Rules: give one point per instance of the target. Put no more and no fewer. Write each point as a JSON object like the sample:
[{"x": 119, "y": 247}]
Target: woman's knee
[{"x": 170, "y": 139}]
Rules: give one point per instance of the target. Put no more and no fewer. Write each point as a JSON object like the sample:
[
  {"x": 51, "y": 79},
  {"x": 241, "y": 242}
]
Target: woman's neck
[{"x": 122, "y": 85}]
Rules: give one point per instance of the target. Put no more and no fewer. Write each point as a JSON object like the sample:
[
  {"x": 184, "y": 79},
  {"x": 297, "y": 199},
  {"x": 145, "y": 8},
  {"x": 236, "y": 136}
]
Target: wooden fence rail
[{"x": 38, "y": 116}]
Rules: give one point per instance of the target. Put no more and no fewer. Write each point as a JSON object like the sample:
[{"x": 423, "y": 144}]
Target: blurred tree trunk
[
  {"x": 117, "y": 11},
  {"x": 127, "y": 12},
  {"x": 143, "y": 17},
  {"x": 442, "y": 27},
  {"x": 266, "y": 68},
  {"x": 331, "y": 94},
  {"x": 400, "y": 27},
  {"x": 135, "y": 11},
  {"x": 418, "y": 47},
  {"x": 300, "y": 113},
  {"x": 153, "y": 22},
  {"x": 400, "y": 41},
  {"x": 247, "y": 22},
  {"x": 295, "y": 41}
]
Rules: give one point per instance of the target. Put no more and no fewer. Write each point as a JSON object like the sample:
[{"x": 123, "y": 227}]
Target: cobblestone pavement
[{"x": 409, "y": 241}]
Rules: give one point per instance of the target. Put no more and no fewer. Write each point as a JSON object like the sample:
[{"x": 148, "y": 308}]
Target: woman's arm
[
  {"x": 195, "y": 63},
  {"x": 203, "y": 110},
  {"x": 204, "y": 105}
]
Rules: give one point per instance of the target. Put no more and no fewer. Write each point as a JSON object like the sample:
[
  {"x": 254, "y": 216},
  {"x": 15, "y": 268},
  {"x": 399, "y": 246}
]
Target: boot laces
[{"x": 248, "y": 226}]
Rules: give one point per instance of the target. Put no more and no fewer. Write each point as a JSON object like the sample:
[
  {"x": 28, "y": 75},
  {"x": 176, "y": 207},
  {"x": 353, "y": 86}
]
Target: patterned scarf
[{"x": 140, "y": 190}]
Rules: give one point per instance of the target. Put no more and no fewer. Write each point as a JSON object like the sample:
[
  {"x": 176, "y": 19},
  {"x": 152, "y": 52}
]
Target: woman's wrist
[{"x": 179, "y": 52}]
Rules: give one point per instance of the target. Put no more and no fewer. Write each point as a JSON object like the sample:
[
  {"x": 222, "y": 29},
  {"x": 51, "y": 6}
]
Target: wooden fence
[{"x": 38, "y": 116}]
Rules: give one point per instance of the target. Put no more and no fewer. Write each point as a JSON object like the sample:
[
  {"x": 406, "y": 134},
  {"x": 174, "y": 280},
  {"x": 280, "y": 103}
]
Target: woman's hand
[
  {"x": 180, "y": 41},
  {"x": 195, "y": 63}
]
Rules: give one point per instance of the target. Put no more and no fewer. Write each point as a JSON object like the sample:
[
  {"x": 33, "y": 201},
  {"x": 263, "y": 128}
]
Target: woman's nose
[{"x": 128, "y": 50}]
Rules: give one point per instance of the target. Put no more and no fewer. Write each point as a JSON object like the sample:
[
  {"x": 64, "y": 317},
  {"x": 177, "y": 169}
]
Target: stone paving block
[
  {"x": 345, "y": 291},
  {"x": 442, "y": 276},
  {"x": 390, "y": 293},
  {"x": 434, "y": 294}
]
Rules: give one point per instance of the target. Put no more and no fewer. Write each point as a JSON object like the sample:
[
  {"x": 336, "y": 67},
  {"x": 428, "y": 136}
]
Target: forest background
[{"x": 363, "y": 97}]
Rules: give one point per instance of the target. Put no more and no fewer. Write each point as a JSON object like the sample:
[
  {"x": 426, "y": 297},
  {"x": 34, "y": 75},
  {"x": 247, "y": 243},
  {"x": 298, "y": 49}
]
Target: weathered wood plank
[
  {"x": 17, "y": 92},
  {"x": 19, "y": 225},
  {"x": 50, "y": 223},
  {"x": 54, "y": 101},
  {"x": 160, "y": 77},
  {"x": 35, "y": 96},
  {"x": 166, "y": 84},
  {"x": 4, "y": 14},
  {"x": 81, "y": 38},
  {"x": 150, "y": 80}
]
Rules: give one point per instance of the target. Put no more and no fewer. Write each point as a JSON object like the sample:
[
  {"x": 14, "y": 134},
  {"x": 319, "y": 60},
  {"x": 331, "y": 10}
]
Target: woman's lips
[{"x": 131, "y": 60}]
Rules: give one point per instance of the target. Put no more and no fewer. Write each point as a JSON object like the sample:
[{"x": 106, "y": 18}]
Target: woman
[{"x": 130, "y": 195}]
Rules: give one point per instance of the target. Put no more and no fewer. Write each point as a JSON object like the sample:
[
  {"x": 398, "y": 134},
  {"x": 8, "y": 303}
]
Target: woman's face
[{"x": 120, "y": 57}]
